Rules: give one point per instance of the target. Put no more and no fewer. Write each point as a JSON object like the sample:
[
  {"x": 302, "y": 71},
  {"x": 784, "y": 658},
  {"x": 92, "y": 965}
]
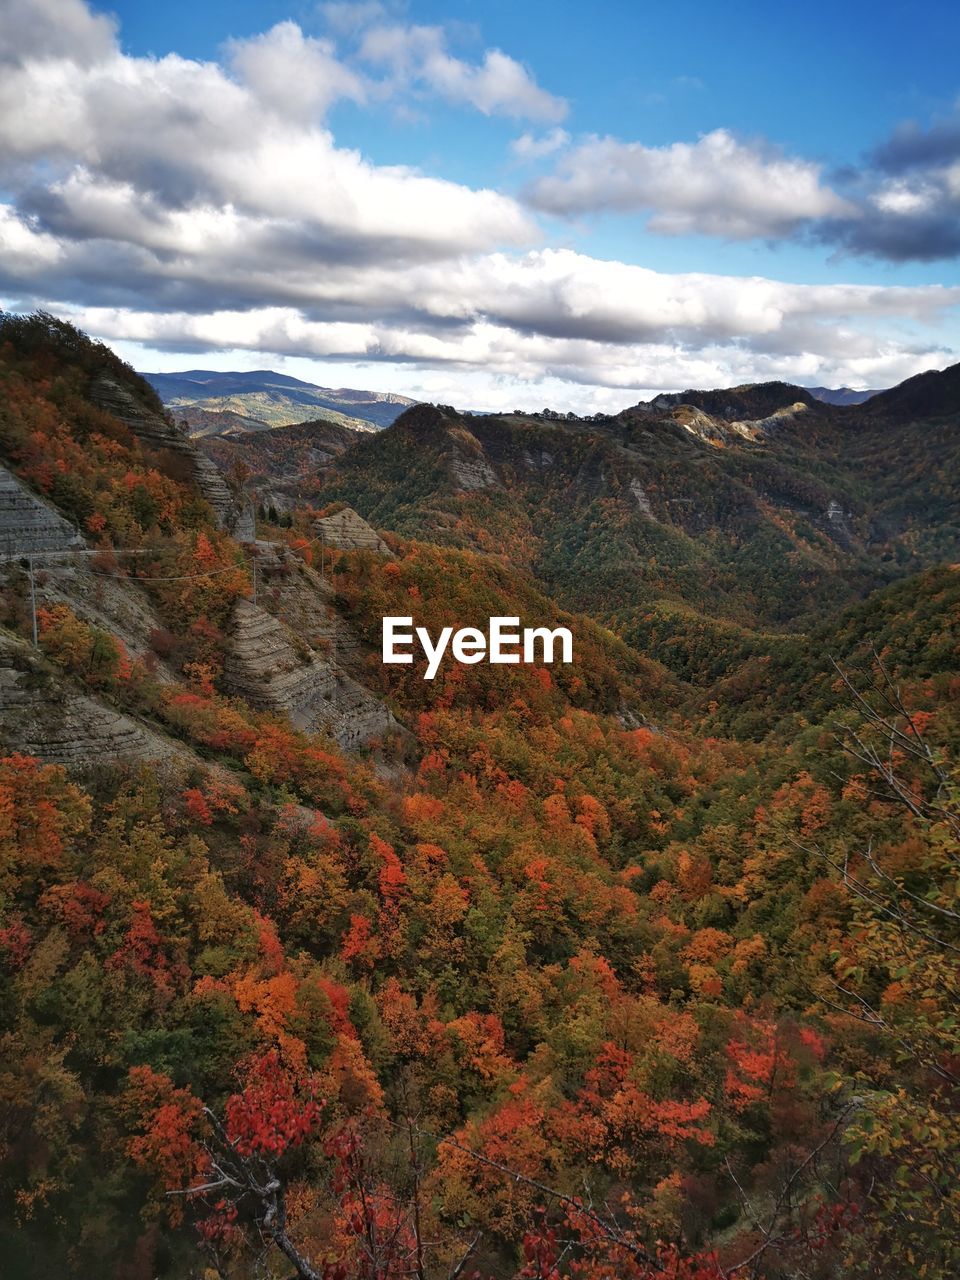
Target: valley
[{"x": 641, "y": 962}]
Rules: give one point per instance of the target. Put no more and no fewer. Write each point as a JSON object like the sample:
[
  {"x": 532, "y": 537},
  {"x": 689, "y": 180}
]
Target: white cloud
[
  {"x": 715, "y": 186},
  {"x": 903, "y": 198},
  {"x": 160, "y": 143},
  {"x": 490, "y": 366},
  {"x": 190, "y": 205},
  {"x": 530, "y": 146},
  {"x": 346, "y": 19},
  {"x": 499, "y": 85},
  {"x": 50, "y": 28},
  {"x": 296, "y": 74},
  {"x": 565, "y": 316}
]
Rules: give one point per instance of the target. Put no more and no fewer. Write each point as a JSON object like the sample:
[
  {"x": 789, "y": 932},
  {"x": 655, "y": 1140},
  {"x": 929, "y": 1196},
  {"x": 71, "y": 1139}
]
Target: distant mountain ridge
[
  {"x": 841, "y": 395},
  {"x": 682, "y": 522},
  {"x": 214, "y": 403},
  {"x": 259, "y": 399}
]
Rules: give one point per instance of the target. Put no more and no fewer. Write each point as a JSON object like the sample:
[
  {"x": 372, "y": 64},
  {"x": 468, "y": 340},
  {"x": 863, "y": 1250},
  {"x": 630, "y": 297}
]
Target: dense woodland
[{"x": 645, "y": 966}]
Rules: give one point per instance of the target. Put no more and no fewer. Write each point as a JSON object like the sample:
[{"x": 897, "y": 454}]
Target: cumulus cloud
[
  {"x": 531, "y": 146},
  {"x": 901, "y": 205},
  {"x": 297, "y": 74},
  {"x": 347, "y": 18},
  {"x": 50, "y": 28},
  {"x": 487, "y": 354},
  {"x": 165, "y": 148},
  {"x": 912, "y": 147},
  {"x": 197, "y": 205},
  {"x": 715, "y": 186},
  {"x": 499, "y": 85},
  {"x": 907, "y": 196}
]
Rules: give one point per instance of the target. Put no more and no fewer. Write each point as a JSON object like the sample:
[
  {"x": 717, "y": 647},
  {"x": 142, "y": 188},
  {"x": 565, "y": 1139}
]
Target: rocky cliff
[
  {"x": 42, "y": 716},
  {"x": 28, "y": 524},
  {"x": 275, "y": 670},
  {"x": 348, "y": 531},
  {"x": 157, "y": 432}
]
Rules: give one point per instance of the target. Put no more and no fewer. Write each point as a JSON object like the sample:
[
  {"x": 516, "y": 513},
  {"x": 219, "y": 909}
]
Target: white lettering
[
  {"x": 470, "y": 645},
  {"x": 391, "y": 639},
  {"x": 434, "y": 654},
  {"x": 499, "y": 636},
  {"x": 549, "y": 638}
]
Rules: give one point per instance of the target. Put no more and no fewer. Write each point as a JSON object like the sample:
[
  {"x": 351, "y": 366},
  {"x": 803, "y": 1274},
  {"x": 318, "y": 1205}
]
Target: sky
[{"x": 492, "y": 204}]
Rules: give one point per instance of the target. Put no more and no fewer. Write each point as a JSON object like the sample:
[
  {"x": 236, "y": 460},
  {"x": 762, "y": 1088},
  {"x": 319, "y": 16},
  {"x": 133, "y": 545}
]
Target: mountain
[
  {"x": 310, "y": 965},
  {"x": 214, "y": 422},
  {"x": 286, "y": 464},
  {"x": 263, "y": 399},
  {"x": 758, "y": 508},
  {"x": 934, "y": 394},
  {"x": 840, "y": 395}
]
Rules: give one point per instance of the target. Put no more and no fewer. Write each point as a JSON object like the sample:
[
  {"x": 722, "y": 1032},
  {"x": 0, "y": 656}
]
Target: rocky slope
[
  {"x": 233, "y": 514},
  {"x": 150, "y": 613},
  {"x": 42, "y": 716},
  {"x": 285, "y": 464},
  {"x": 28, "y": 524},
  {"x": 271, "y": 668}
]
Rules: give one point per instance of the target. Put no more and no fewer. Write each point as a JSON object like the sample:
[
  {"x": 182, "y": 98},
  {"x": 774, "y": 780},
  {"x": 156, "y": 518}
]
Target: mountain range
[
  {"x": 214, "y": 403},
  {"x": 211, "y": 402},
  {"x": 748, "y": 512}
]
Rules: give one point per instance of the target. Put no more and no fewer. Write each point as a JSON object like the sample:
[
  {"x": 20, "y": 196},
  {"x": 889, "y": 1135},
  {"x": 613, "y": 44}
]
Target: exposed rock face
[
  {"x": 40, "y": 717},
  {"x": 539, "y": 459},
  {"x": 471, "y": 473},
  {"x": 266, "y": 668},
  {"x": 746, "y": 403},
  {"x": 348, "y": 531},
  {"x": 643, "y": 502},
  {"x": 715, "y": 430},
  {"x": 839, "y": 522},
  {"x": 698, "y": 423},
  {"x": 118, "y": 605},
  {"x": 469, "y": 465},
  {"x": 757, "y": 427},
  {"x": 236, "y": 517},
  {"x": 28, "y": 524}
]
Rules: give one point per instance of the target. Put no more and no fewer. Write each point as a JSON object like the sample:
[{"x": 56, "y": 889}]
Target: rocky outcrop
[
  {"x": 302, "y": 599},
  {"x": 749, "y": 403},
  {"x": 157, "y": 432},
  {"x": 716, "y": 430},
  {"x": 537, "y": 459},
  {"x": 757, "y": 427},
  {"x": 28, "y": 524},
  {"x": 348, "y": 531},
  {"x": 838, "y": 522},
  {"x": 41, "y": 717},
  {"x": 643, "y": 502},
  {"x": 469, "y": 465},
  {"x": 267, "y": 667},
  {"x": 118, "y": 605}
]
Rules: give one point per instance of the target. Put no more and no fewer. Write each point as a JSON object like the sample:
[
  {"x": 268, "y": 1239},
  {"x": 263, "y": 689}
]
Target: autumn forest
[{"x": 639, "y": 966}]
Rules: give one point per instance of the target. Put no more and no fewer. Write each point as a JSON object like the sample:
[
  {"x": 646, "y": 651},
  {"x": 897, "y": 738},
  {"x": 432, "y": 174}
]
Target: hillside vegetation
[{"x": 644, "y": 966}]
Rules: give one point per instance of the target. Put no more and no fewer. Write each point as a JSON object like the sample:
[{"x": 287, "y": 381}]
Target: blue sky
[{"x": 490, "y": 203}]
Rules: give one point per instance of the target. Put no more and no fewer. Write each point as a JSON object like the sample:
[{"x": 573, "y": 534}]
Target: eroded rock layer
[
  {"x": 348, "y": 531},
  {"x": 40, "y": 717},
  {"x": 28, "y": 525},
  {"x": 273, "y": 671}
]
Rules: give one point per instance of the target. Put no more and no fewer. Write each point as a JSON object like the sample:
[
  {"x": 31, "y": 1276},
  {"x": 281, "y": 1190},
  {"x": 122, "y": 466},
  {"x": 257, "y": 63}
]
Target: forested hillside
[{"x": 642, "y": 966}]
